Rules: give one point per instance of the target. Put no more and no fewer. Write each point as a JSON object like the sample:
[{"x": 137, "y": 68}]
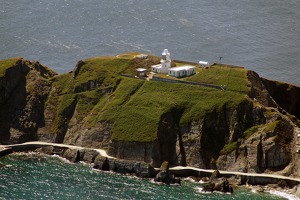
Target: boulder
[
  {"x": 45, "y": 150},
  {"x": 101, "y": 163},
  {"x": 89, "y": 155},
  {"x": 219, "y": 185},
  {"x": 71, "y": 155},
  {"x": 165, "y": 176}
]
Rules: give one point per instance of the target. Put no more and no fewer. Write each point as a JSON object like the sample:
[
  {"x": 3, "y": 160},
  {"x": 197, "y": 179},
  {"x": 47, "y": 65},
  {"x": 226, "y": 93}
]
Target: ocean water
[
  {"x": 262, "y": 35},
  {"x": 32, "y": 176}
]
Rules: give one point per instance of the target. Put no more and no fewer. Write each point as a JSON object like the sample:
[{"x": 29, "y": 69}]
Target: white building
[
  {"x": 165, "y": 63},
  {"x": 182, "y": 71},
  {"x": 203, "y": 64},
  {"x": 141, "y": 72}
]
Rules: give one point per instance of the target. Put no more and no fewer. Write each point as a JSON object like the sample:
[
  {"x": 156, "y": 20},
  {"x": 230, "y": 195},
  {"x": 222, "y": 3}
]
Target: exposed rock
[
  {"x": 23, "y": 92},
  {"x": 219, "y": 185},
  {"x": 45, "y": 150},
  {"x": 282, "y": 184},
  {"x": 216, "y": 183},
  {"x": 258, "y": 90},
  {"x": 101, "y": 163},
  {"x": 96, "y": 137},
  {"x": 77, "y": 68},
  {"x": 59, "y": 151},
  {"x": 164, "y": 148},
  {"x": 215, "y": 175},
  {"x": 72, "y": 155},
  {"x": 6, "y": 150},
  {"x": 165, "y": 176},
  {"x": 140, "y": 169},
  {"x": 89, "y": 155},
  {"x": 286, "y": 95},
  {"x": 139, "y": 151}
]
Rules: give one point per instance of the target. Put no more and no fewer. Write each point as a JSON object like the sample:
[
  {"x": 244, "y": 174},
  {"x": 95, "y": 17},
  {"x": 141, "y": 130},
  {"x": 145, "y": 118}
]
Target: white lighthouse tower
[{"x": 165, "y": 61}]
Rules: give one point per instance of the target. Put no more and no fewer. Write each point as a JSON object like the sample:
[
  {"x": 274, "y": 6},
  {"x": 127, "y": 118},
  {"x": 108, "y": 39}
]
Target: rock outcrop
[
  {"x": 165, "y": 176},
  {"x": 23, "y": 92}
]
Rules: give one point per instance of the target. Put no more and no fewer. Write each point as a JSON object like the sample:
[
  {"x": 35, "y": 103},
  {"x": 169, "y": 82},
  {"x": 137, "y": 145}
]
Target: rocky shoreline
[{"x": 213, "y": 180}]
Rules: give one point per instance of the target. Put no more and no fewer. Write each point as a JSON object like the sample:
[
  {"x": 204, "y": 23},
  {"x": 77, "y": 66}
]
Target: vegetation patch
[
  {"x": 250, "y": 131},
  {"x": 6, "y": 64},
  {"x": 284, "y": 133},
  {"x": 63, "y": 112},
  {"x": 270, "y": 126},
  {"x": 86, "y": 102},
  {"x": 228, "y": 148},
  {"x": 63, "y": 84},
  {"x": 234, "y": 78},
  {"x": 135, "y": 106}
]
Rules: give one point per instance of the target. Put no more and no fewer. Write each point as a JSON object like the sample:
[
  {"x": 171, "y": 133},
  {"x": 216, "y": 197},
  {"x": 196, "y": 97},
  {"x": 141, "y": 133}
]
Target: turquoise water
[{"x": 33, "y": 176}]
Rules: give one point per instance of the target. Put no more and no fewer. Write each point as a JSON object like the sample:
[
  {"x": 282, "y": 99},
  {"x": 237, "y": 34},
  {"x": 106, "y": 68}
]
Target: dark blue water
[
  {"x": 263, "y": 35},
  {"x": 39, "y": 177}
]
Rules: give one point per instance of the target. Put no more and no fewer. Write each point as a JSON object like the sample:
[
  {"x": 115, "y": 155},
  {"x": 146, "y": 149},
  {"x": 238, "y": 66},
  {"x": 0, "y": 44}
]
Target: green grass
[
  {"x": 228, "y": 148},
  {"x": 62, "y": 113},
  {"x": 6, "y": 64},
  {"x": 250, "y": 131},
  {"x": 100, "y": 69},
  {"x": 137, "y": 119},
  {"x": 86, "y": 102},
  {"x": 135, "y": 106},
  {"x": 234, "y": 78},
  {"x": 270, "y": 126},
  {"x": 63, "y": 84}
]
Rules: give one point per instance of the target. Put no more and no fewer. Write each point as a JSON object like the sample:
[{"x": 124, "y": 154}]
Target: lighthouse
[{"x": 165, "y": 63}]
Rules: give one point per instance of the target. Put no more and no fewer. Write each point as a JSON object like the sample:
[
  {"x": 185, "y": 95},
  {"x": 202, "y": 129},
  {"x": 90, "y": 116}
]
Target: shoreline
[{"x": 102, "y": 161}]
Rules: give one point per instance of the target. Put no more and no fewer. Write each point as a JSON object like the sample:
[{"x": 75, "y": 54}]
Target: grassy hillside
[
  {"x": 135, "y": 106},
  {"x": 5, "y": 64}
]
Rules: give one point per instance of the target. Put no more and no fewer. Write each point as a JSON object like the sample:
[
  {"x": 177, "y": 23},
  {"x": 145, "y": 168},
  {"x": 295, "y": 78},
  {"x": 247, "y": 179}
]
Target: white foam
[
  {"x": 190, "y": 180},
  {"x": 284, "y": 194},
  {"x": 61, "y": 159}
]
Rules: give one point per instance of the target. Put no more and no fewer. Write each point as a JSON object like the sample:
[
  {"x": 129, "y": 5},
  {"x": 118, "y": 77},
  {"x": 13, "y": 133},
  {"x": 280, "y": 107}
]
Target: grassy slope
[
  {"x": 5, "y": 64},
  {"x": 135, "y": 106}
]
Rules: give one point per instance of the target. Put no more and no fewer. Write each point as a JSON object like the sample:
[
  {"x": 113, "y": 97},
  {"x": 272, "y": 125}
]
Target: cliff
[{"x": 252, "y": 126}]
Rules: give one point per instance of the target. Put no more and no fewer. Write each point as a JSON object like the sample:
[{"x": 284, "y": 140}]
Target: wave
[{"x": 284, "y": 194}]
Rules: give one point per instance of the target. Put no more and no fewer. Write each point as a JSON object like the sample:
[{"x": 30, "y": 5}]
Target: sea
[
  {"x": 261, "y": 35},
  {"x": 34, "y": 176}
]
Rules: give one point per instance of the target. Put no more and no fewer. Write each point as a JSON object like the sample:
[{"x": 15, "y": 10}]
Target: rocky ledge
[{"x": 214, "y": 180}]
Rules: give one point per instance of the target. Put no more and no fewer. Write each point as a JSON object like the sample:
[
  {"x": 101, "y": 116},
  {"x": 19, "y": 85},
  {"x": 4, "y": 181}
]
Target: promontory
[{"x": 222, "y": 117}]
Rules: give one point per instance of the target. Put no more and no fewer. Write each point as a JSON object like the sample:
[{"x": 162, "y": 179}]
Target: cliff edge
[{"x": 252, "y": 126}]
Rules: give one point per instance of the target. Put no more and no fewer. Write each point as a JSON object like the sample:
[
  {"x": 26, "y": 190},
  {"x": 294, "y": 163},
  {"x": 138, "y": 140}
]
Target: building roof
[
  {"x": 165, "y": 52},
  {"x": 156, "y": 66},
  {"x": 141, "y": 69},
  {"x": 142, "y": 56},
  {"x": 185, "y": 67},
  {"x": 203, "y": 63}
]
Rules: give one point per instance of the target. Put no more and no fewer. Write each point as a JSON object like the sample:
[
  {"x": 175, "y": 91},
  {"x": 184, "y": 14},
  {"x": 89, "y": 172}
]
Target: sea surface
[
  {"x": 262, "y": 35},
  {"x": 33, "y": 176}
]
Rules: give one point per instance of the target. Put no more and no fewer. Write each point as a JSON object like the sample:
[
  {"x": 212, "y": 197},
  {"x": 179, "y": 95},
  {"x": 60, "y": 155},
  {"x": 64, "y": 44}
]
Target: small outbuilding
[
  {"x": 142, "y": 56},
  {"x": 203, "y": 64},
  {"x": 141, "y": 72},
  {"x": 182, "y": 71}
]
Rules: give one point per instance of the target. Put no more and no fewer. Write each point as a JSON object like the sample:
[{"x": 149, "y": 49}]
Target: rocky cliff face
[
  {"x": 286, "y": 95},
  {"x": 260, "y": 134},
  {"x": 24, "y": 89}
]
